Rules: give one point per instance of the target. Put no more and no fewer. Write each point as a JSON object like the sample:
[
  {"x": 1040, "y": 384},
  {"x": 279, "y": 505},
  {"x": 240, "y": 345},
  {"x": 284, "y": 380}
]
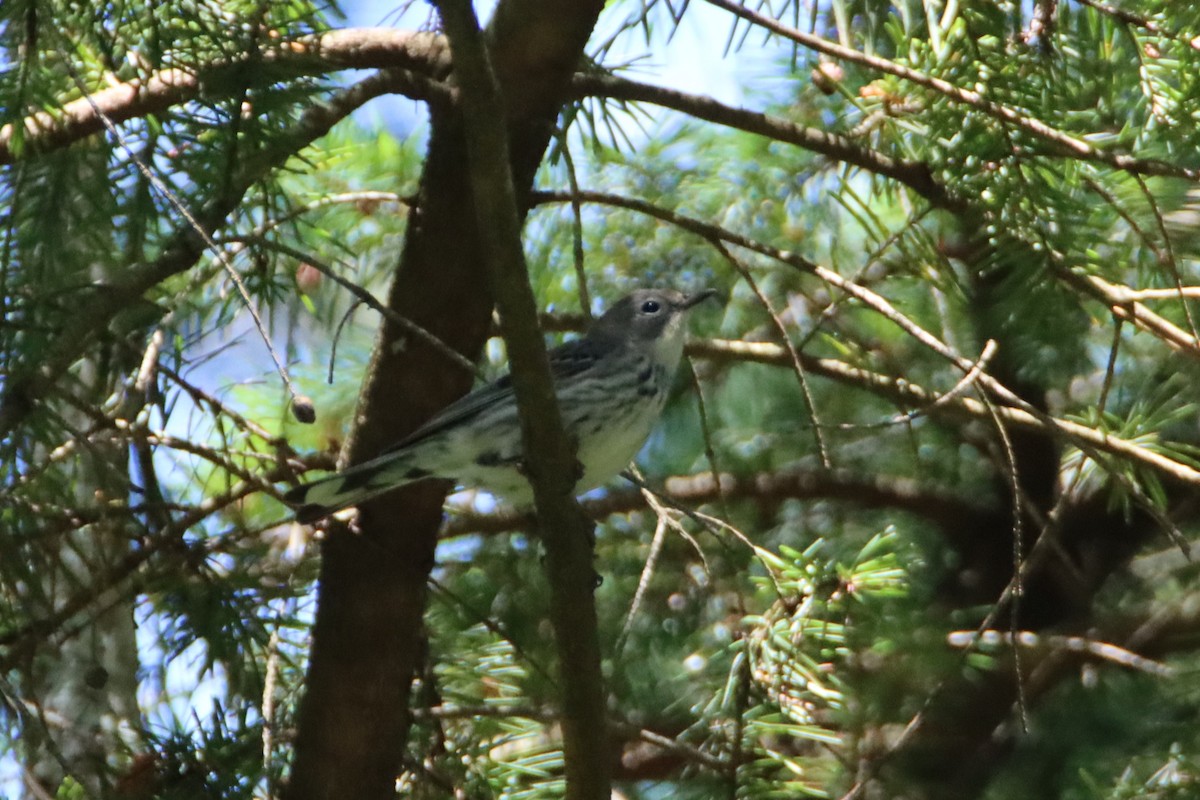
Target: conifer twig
[{"x": 1073, "y": 145}]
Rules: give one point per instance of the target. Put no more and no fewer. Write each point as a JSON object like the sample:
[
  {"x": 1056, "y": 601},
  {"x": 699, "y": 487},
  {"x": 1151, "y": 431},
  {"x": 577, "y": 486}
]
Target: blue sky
[{"x": 690, "y": 59}]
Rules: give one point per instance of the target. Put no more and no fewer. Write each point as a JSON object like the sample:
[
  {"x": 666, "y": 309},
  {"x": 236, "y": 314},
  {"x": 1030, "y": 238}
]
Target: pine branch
[
  {"x": 1126, "y": 304},
  {"x": 914, "y": 175},
  {"x": 1064, "y": 142},
  {"x": 634, "y": 760},
  {"x": 26, "y": 388},
  {"x": 1130, "y": 18},
  {"x": 946, "y": 509},
  {"x": 124, "y": 579},
  {"x": 351, "y": 48}
]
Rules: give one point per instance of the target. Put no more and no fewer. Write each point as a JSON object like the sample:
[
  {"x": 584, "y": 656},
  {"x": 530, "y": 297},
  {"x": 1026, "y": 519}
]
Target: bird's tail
[{"x": 318, "y": 499}]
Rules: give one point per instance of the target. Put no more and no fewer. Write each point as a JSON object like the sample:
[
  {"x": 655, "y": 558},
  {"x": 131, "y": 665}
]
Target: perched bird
[{"x": 611, "y": 386}]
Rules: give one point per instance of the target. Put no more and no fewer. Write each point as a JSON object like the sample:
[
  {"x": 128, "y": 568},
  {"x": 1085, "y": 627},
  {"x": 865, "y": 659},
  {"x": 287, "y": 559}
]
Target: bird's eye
[{"x": 651, "y": 307}]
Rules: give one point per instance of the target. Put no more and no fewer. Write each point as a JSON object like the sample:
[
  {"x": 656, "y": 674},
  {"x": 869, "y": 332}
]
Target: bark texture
[{"x": 368, "y": 639}]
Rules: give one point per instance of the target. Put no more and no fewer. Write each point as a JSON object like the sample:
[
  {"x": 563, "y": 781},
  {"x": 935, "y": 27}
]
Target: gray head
[{"x": 650, "y": 319}]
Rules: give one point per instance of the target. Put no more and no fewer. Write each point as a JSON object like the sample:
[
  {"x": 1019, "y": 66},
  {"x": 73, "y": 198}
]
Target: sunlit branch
[
  {"x": 1126, "y": 304},
  {"x": 904, "y": 391},
  {"x": 1075, "y": 146},
  {"x": 914, "y": 175},
  {"x": 218, "y": 458},
  {"x": 877, "y": 491},
  {"x": 1104, "y": 651},
  {"x": 352, "y": 48}
]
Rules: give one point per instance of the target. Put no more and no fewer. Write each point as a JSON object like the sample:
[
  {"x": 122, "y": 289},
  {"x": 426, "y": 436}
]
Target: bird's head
[{"x": 650, "y": 319}]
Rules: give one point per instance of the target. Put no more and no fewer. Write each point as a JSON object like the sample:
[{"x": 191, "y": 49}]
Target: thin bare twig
[
  {"x": 786, "y": 339},
  {"x": 369, "y": 300},
  {"x": 585, "y": 297},
  {"x": 1072, "y": 644},
  {"x": 656, "y": 545}
]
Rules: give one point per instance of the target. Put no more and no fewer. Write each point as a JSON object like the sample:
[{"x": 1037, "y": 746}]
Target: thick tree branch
[
  {"x": 914, "y": 175},
  {"x": 565, "y": 531},
  {"x": 945, "y": 509},
  {"x": 352, "y": 48}
]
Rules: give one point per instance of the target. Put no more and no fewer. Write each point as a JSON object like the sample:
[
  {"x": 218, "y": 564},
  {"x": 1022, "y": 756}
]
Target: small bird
[{"x": 611, "y": 386}]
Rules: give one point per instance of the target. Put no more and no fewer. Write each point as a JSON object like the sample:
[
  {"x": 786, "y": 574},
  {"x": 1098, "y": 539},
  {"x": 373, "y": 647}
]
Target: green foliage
[
  {"x": 781, "y": 700},
  {"x": 787, "y": 639}
]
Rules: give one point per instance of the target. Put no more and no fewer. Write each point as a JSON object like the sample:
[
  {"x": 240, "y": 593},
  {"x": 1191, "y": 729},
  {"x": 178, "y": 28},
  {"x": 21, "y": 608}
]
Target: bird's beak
[{"x": 697, "y": 298}]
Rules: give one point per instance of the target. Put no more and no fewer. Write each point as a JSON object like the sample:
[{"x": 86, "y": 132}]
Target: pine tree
[{"x": 917, "y": 520}]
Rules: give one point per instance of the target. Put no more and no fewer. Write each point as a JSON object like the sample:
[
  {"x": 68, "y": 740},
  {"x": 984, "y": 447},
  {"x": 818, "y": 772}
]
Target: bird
[{"x": 611, "y": 385}]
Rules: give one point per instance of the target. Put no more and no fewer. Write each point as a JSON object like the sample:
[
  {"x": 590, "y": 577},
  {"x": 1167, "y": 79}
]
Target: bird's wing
[{"x": 569, "y": 358}]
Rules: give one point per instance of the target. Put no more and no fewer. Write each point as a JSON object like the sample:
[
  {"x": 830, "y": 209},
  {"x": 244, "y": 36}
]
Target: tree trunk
[{"x": 368, "y": 637}]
